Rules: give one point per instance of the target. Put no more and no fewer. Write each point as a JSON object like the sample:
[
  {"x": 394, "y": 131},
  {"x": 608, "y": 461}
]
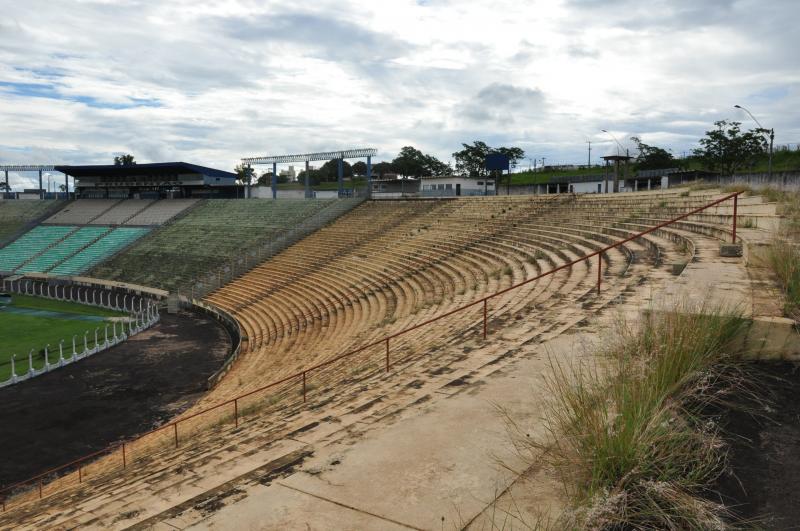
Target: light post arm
[
  {"x": 771, "y": 136},
  {"x": 619, "y": 146}
]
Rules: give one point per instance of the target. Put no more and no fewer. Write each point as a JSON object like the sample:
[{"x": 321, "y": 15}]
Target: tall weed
[{"x": 627, "y": 436}]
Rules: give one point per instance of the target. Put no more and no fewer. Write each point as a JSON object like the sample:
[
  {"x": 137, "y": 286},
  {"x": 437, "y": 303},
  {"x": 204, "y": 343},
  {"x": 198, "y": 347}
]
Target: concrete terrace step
[{"x": 337, "y": 288}]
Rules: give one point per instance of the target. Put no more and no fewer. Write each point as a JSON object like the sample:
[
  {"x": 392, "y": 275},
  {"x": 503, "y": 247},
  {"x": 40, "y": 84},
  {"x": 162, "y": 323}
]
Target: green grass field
[{"x": 20, "y": 333}]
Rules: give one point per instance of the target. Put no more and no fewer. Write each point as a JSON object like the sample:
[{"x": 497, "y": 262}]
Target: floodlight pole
[
  {"x": 308, "y": 187},
  {"x": 369, "y": 176},
  {"x": 41, "y": 192},
  {"x": 340, "y": 176},
  {"x": 274, "y": 180},
  {"x": 589, "y": 159},
  {"x": 771, "y": 138}
]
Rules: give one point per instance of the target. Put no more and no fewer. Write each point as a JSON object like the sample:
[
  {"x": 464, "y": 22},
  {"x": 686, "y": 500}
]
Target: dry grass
[
  {"x": 783, "y": 256},
  {"x": 628, "y": 436}
]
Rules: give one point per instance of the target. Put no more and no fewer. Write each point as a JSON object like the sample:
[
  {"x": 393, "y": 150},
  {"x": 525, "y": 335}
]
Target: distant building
[
  {"x": 290, "y": 174},
  {"x": 455, "y": 185},
  {"x": 391, "y": 187}
]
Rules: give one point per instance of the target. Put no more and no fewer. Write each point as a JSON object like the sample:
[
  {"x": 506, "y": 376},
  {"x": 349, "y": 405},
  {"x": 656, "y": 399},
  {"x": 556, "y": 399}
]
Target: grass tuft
[
  {"x": 628, "y": 438},
  {"x": 783, "y": 258}
]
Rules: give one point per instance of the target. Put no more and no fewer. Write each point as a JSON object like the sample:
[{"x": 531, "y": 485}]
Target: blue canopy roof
[{"x": 156, "y": 168}]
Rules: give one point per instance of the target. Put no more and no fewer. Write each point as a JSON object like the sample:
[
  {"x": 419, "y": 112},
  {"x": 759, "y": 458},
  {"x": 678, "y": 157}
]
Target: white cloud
[{"x": 210, "y": 83}]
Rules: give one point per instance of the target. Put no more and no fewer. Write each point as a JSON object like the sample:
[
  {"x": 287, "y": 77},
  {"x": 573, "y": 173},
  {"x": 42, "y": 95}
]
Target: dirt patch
[
  {"x": 126, "y": 390},
  {"x": 764, "y": 478}
]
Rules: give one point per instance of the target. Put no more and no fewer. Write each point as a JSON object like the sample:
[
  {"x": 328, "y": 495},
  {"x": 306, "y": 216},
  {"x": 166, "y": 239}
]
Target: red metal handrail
[{"x": 302, "y": 375}]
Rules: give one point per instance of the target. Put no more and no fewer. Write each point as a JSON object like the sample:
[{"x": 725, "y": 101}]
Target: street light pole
[
  {"x": 619, "y": 146},
  {"x": 589, "y": 160},
  {"x": 771, "y": 138}
]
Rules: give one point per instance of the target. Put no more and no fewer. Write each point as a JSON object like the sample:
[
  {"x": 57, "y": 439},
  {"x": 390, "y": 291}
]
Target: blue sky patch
[{"x": 51, "y": 91}]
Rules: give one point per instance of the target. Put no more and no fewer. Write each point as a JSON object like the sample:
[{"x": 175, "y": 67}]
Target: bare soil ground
[
  {"x": 764, "y": 481},
  {"x": 129, "y": 389}
]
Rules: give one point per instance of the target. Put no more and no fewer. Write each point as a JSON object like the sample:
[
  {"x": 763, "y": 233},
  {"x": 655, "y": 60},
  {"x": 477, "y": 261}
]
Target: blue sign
[{"x": 497, "y": 161}]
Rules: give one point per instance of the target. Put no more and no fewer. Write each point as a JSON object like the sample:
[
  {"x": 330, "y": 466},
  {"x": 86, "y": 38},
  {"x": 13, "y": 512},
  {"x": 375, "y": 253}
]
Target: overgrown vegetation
[
  {"x": 783, "y": 255},
  {"x": 628, "y": 436}
]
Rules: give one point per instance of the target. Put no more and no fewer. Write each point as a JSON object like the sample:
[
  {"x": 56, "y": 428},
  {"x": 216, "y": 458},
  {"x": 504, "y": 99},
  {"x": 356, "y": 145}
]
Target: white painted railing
[{"x": 113, "y": 333}]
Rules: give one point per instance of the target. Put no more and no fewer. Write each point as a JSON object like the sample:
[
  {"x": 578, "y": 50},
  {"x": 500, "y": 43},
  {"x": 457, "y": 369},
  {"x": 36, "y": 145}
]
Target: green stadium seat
[
  {"x": 211, "y": 235},
  {"x": 100, "y": 250},
  {"x": 30, "y": 244},
  {"x": 63, "y": 249}
]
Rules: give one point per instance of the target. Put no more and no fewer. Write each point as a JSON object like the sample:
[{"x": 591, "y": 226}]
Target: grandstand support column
[
  {"x": 340, "y": 176},
  {"x": 8, "y": 189},
  {"x": 66, "y": 186},
  {"x": 41, "y": 192},
  {"x": 308, "y": 188},
  {"x": 369, "y": 176},
  {"x": 274, "y": 180}
]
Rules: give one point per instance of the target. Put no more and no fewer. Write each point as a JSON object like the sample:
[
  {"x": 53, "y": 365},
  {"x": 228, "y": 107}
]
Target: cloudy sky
[{"x": 211, "y": 82}]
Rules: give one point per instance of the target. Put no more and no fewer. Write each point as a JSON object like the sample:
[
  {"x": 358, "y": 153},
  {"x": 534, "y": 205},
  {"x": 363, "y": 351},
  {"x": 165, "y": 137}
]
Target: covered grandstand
[{"x": 151, "y": 181}]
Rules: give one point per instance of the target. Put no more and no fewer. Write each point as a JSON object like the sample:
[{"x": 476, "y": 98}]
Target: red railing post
[
  {"x": 735, "y": 207},
  {"x": 599, "y": 271},
  {"x": 304, "y": 387},
  {"x": 175, "y": 427},
  {"x": 124, "y": 457},
  {"x": 236, "y": 411},
  {"x": 387, "y": 354},
  {"x": 484, "y": 318}
]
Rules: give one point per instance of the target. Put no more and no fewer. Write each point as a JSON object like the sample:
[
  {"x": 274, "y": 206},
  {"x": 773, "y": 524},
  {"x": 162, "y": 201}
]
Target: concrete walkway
[{"x": 438, "y": 465}]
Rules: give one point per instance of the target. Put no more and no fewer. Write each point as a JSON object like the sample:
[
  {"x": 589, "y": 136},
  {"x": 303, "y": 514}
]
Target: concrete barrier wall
[{"x": 234, "y": 331}]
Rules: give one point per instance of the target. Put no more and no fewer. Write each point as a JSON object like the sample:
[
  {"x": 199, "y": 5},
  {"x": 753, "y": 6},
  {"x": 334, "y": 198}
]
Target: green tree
[
  {"x": 330, "y": 170},
  {"x": 360, "y": 168},
  {"x": 436, "y": 167},
  {"x": 266, "y": 179},
  {"x": 382, "y": 168},
  {"x": 314, "y": 177},
  {"x": 652, "y": 157},
  {"x": 727, "y": 149},
  {"x": 471, "y": 161},
  {"x": 245, "y": 173},
  {"x": 410, "y": 162},
  {"x": 125, "y": 159}
]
